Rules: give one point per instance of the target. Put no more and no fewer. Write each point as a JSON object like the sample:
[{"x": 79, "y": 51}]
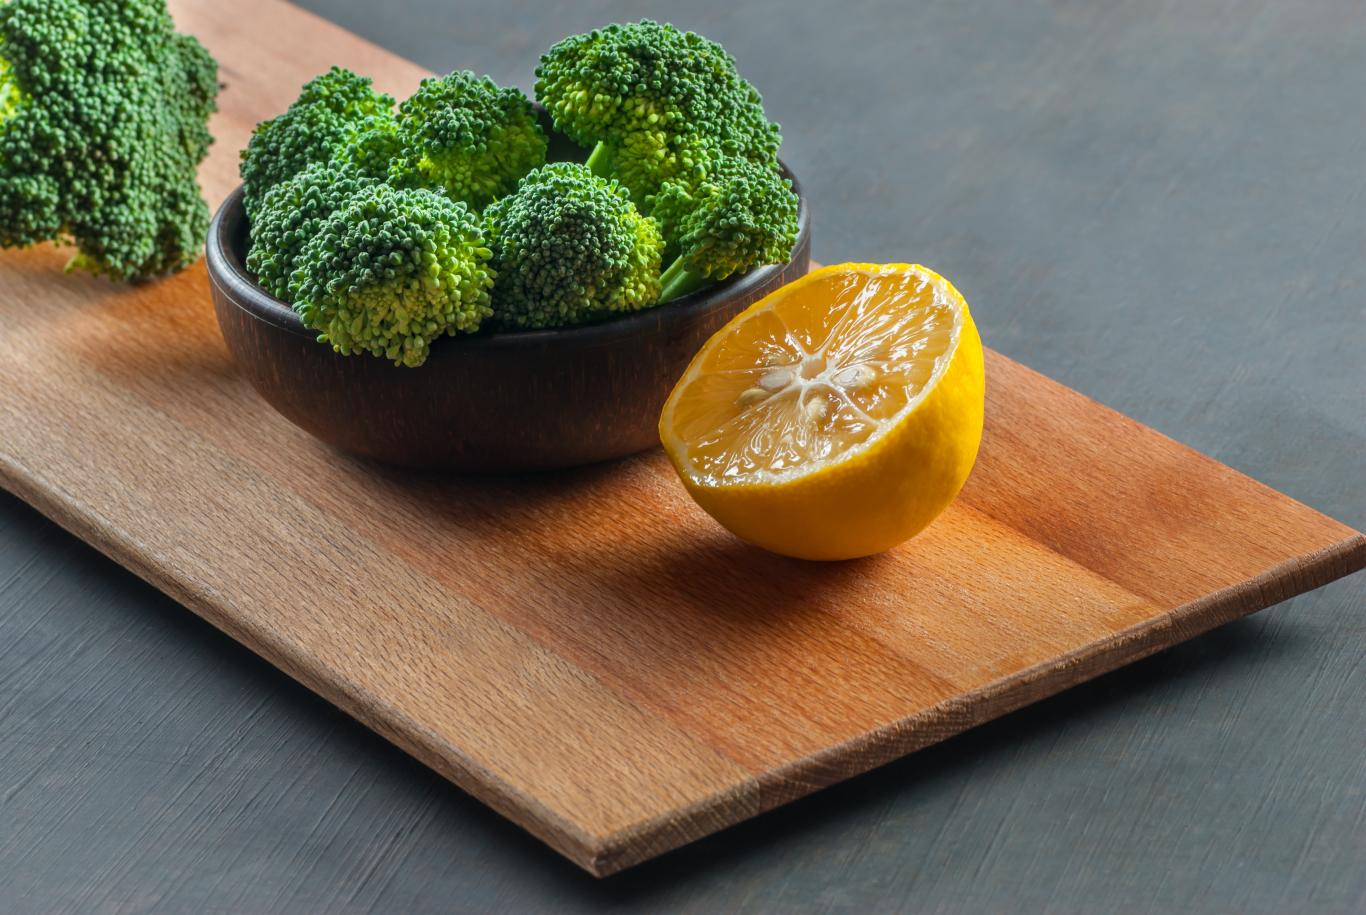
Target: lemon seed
[
  {"x": 815, "y": 412},
  {"x": 856, "y": 376},
  {"x": 751, "y": 396},
  {"x": 776, "y": 379}
]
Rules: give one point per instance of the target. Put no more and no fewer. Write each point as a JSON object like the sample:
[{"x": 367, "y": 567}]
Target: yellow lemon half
[{"x": 836, "y": 417}]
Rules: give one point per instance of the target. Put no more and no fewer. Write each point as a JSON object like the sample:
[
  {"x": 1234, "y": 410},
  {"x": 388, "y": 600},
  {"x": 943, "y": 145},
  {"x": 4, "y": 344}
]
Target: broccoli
[
  {"x": 391, "y": 270},
  {"x": 467, "y": 136},
  {"x": 363, "y": 216},
  {"x": 332, "y": 112},
  {"x": 104, "y": 114},
  {"x": 373, "y": 149},
  {"x": 570, "y": 247},
  {"x": 655, "y": 103},
  {"x": 740, "y": 216},
  {"x": 290, "y": 214}
]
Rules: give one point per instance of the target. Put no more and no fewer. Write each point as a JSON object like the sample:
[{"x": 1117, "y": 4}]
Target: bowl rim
[{"x": 227, "y": 271}]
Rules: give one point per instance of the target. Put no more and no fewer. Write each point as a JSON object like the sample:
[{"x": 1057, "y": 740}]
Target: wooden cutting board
[{"x": 587, "y": 652}]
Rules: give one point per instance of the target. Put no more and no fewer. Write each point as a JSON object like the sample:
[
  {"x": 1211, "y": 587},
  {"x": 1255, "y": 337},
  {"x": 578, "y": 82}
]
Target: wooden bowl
[{"x": 505, "y": 401}]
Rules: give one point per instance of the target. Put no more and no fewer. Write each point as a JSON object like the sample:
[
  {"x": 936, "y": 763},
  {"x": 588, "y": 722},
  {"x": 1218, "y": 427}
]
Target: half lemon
[{"x": 836, "y": 417}]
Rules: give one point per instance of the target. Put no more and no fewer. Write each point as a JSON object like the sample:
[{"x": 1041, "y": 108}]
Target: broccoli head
[
  {"x": 104, "y": 113},
  {"x": 391, "y": 270},
  {"x": 570, "y": 247},
  {"x": 467, "y": 136},
  {"x": 331, "y": 113},
  {"x": 741, "y": 216},
  {"x": 290, "y": 214},
  {"x": 654, "y": 102}
]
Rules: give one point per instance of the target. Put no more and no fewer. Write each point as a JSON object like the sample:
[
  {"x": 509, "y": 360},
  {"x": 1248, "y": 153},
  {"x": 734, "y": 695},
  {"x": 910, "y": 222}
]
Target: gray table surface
[{"x": 1160, "y": 204}]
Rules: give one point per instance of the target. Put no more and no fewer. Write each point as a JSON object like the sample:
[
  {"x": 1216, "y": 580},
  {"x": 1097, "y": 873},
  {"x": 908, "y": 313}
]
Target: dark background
[{"x": 1160, "y": 204}]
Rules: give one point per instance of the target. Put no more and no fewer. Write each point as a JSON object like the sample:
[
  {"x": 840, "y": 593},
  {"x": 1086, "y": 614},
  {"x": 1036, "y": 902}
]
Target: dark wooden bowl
[{"x": 531, "y": 400}]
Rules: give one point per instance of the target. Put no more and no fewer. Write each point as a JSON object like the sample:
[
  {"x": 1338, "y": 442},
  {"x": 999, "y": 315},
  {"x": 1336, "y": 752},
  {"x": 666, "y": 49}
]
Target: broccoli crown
[
  {"x": 391, "y": 270},
  {"x": 104, "y": 114},
  {"x": 570, "y": 247},
  {"x": 661, "y": 102},
  {"x": 468, "y": 136},
  {"x": 290, "y": 214},
  {"x": 741, "y": 216},
  {"x": 332, "y": 111}
]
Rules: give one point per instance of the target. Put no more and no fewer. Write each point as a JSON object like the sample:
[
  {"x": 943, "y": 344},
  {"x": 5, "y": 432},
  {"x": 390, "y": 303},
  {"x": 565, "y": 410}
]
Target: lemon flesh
[{"x": 835, "y": 418}]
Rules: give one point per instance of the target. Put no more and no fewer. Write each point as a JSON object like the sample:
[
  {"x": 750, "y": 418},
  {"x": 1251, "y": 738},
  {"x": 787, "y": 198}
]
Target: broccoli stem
[
  {"x": 678, "y": 281},
  {"x": 600, "y": 161}
]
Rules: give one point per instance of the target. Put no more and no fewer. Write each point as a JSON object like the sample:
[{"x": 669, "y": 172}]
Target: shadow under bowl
[{"x": 494, "y": 401}]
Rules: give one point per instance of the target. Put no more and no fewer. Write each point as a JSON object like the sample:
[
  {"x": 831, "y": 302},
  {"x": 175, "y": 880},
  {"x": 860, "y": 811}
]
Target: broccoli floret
[
  {"x": 391, "y": 270},
  {"x": 569, "y": 247},
  {"x": 104, "y": 114},
  {"x": 290, "y": 214},
  {"x": 331, "y": 113},
  {"x": 375, "y": 147},
  {"x": 467, "y": 136},
  {"x": 742, "y": 215},
  {"x": 654, "y": 102}
]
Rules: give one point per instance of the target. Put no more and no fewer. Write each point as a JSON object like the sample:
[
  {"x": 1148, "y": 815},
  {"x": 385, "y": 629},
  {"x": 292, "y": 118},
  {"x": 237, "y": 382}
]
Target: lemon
[{"x": 836, "y": 417}]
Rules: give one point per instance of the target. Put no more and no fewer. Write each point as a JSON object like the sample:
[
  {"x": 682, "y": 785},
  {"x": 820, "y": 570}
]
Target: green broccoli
[
  {"x": 331, "y": 113},
  {"x": 569, "y": 247},
  {"x": 391, "y": 270},
  {"x": 290, "y": 214},
  {"x": 373, "y": 149},
  {"x": 655, "y": 103},
  {"x": 468, "y": 137},
  {"x": 104, "y": 113},
  {"x": 742, "y": 215}
]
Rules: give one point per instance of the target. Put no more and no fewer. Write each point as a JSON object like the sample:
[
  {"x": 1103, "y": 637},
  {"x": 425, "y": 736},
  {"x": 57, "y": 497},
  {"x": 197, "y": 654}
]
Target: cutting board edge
[{"x": 859, "y": 755}]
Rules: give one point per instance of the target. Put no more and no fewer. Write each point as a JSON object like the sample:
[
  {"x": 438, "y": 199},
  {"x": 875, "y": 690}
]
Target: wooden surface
[{"x": 203, "y": 418}]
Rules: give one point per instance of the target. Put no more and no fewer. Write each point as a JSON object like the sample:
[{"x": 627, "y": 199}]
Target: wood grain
[{"x": 587, "y": 653}]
